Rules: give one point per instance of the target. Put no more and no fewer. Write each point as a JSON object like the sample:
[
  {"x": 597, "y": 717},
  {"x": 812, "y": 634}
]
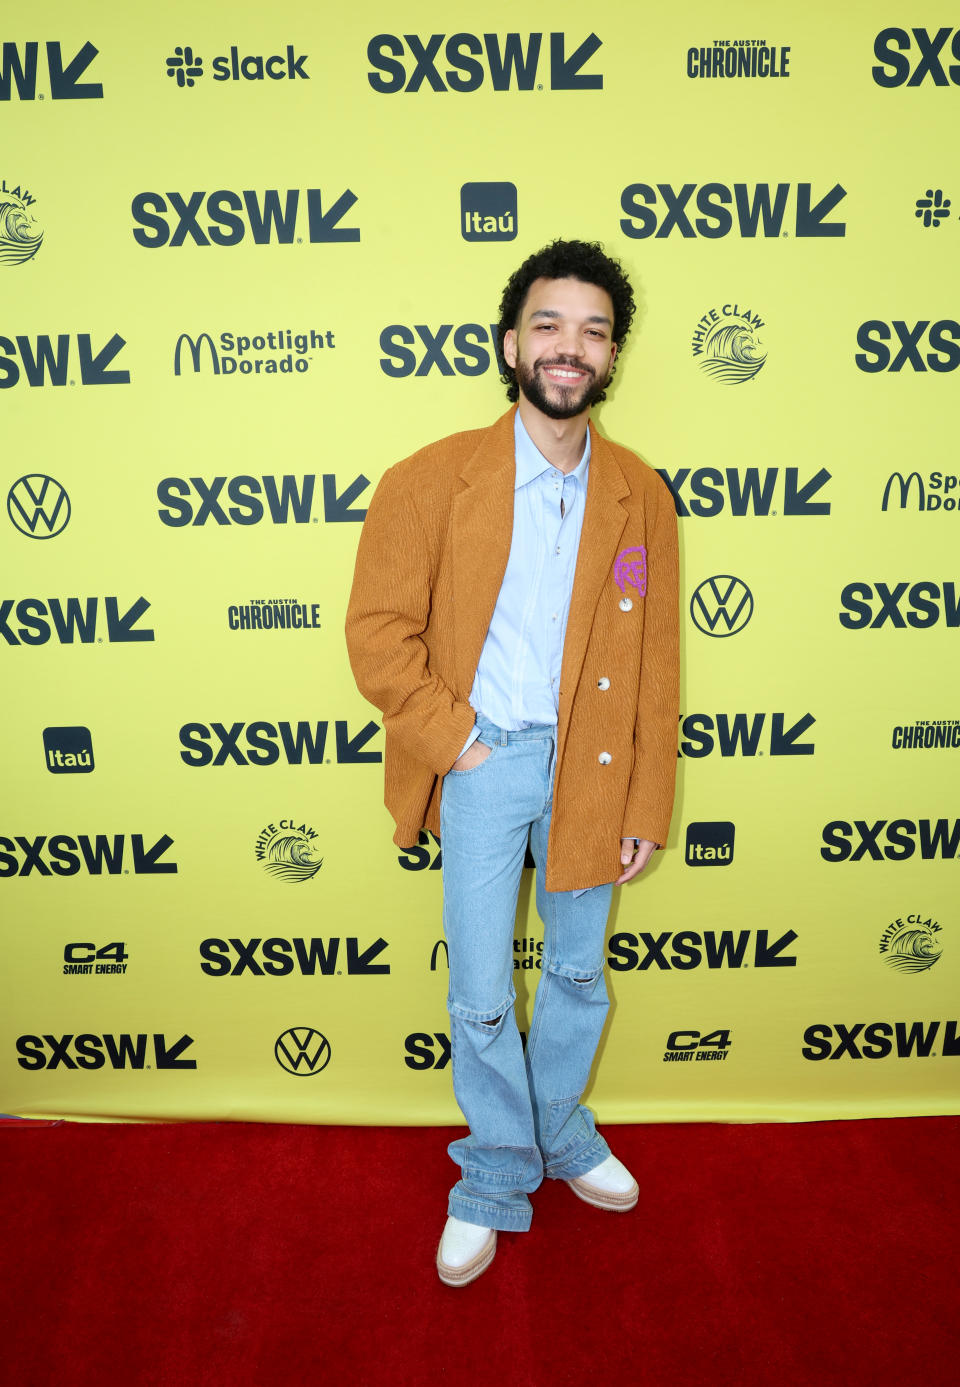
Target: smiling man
[{"x": 514, "y": 617}]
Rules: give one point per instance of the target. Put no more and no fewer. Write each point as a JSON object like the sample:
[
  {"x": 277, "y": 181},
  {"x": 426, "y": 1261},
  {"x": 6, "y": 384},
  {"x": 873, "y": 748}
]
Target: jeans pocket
[{"x": 480, "y": 764}]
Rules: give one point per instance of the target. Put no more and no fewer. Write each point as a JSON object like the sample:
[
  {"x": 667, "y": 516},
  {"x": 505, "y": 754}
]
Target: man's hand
[
  {"x": 634, "y": 857},
  {"x": 475, "y": 754}
]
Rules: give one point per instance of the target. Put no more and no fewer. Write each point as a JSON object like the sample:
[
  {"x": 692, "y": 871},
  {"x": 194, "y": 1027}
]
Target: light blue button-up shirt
[{"x": 518, "y": 676}]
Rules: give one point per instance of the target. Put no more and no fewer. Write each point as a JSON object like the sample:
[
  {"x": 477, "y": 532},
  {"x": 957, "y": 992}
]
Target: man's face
[{"x": 562, "y": 349}]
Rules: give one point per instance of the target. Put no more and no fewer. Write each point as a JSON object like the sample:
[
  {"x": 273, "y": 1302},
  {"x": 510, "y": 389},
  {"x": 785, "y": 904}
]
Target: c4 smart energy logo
[
  {"x": 288, "y": 851},
  {"x": 488, "y": 211},
  {"x": 686, "y": 1046},
  {"x": 727, "y": 342},
  {"x": 721, "y": 605},
  {"x": 65, "y": 66},
  {"x": 68, "y": 750},
  {"x": 20, "y": 235},
  {"x": 83, "y": 959},
  {"x": 467, "y": 62},
  {"x": 302, "y": 1051},
  {"x": 911, "y": 57},
  {"x": 39, "y": 506},
  {"x": 186, "y": 66},
  {"x": 911, "y": 945}
]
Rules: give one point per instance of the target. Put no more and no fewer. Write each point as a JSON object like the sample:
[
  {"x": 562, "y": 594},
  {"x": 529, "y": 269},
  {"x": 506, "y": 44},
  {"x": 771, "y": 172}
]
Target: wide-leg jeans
[{"x": 523, "y": 1110}]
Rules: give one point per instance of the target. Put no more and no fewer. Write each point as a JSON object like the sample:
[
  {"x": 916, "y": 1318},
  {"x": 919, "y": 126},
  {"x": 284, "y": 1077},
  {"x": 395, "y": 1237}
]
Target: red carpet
[{"x": 252, "y": 1255}]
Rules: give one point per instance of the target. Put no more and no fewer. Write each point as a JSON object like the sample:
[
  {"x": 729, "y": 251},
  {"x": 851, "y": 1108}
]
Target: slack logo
[
  {"x": 710, "y": 844},
  {"x": 68, "y": 750},
  {"x": 488, "y": 211}
]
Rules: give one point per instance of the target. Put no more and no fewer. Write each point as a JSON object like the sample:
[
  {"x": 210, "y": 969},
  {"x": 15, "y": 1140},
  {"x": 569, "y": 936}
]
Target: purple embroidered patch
[{"x": 631, "y": 567}]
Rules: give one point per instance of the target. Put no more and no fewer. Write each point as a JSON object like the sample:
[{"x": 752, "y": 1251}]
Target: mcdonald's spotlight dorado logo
[
  {"x": 39, "y": 506},
  {"x": 302, "y": 1051},
  {"x": 726, "y": 341},
  {"x": 721, "y": 601},
  {"x": 933, "y": 495},
  {"x": 259, "y": 354}
]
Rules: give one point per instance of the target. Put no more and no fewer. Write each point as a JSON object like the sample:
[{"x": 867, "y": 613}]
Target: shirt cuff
[{"x": 474, "y": 734}]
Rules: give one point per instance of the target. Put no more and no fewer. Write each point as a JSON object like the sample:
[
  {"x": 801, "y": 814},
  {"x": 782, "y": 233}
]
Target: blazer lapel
[
  {"x": 603, "y": 522},
  {"x": 481, "y": 533}
]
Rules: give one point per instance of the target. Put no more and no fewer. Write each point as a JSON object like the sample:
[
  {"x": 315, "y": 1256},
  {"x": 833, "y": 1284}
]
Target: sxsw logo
[
  {"x": 277, "y": 958},
  {"x": 687, "y": 949},
  {"x": 87, "y": 1051},
  {"x": 912, "y": 60},
  {"x": 943, "y": 337},
  {"x": 44, "y": 364},
  {"x": 268, "y": 216},
  {"x": 67, "y": 855},
  {"x": 934, "y": 496},
  {"x": 266, "y": 743},
  {"x": 710, "y": 844},
  {"x": 186, "y": 66},
  {"x": 747, "y": 491},
  {"x": 926, "y": 602},
  {"x": 878, "y": 1039},
  {"x": 71, "y": 619},
  {"x": 425, "y": 1051},
  {"x": 488, "y": 211},
  {"x": 758, "y": 209},
  {"x": 194, "y": 501},
  {"x": 465, "y": 61},
  {"x": 902, "y": 839},
  {"x": 68, "y": 750},
  {"x": 419, "y": 350},
  {"x": 18, "y": 69},
  {"x": 741, "y": 734}
]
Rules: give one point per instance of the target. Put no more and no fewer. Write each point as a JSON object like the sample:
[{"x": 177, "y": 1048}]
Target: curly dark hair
[{"x": 584, "y": 260}]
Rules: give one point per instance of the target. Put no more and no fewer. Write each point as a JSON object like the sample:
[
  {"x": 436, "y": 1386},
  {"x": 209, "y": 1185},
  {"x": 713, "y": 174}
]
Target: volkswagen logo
[
  {"x": 721, "y": 601},
  {"x": 302, "y": 1051},
  {"x": 38, "y": 506}
]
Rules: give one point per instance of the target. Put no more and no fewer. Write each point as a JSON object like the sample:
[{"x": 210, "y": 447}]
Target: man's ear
[{"x": 510, "y": 348}]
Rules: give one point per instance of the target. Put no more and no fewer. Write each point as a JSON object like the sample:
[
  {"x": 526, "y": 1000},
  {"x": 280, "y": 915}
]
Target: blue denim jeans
[{"x": 523, "y": 1110}]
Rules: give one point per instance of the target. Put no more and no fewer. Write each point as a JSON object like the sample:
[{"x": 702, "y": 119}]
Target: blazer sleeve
[
  {"x": 387, "y": 617},
  {"x": 652, "y": 784}
]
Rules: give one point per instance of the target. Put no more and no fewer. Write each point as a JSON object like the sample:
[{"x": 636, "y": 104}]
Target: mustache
[{"x": 570, "y": 361}]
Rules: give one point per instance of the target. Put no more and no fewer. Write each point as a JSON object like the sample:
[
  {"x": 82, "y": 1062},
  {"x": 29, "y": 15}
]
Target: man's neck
[{"x": 561, "y": 441}]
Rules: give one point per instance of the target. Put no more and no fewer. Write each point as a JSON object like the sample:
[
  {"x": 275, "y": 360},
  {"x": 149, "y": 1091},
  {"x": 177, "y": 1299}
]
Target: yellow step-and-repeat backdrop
[{"x": 250, "y": 256}]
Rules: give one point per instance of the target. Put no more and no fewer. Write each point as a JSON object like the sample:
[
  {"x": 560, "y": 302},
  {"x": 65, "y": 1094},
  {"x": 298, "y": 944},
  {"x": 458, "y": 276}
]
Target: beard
[{"x": 562, "y": 401}]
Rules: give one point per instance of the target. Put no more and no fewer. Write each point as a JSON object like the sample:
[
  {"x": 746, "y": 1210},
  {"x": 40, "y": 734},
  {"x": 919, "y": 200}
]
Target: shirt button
[
  {"x": 603, "y": 684},
  {"x": 625, "y": 604},
  {"x": 604, "y": 758}
]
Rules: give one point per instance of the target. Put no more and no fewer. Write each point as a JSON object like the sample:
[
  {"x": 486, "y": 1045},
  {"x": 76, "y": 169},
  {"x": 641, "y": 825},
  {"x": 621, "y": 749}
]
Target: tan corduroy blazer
[{"x": 431, "y": 559}]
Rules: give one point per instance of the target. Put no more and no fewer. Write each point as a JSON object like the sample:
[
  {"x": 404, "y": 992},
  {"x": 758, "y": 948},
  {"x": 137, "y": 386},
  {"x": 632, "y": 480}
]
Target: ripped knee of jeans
[
  {"x": 583, "y": 981},
  {"x": 490, "y": 1021}
]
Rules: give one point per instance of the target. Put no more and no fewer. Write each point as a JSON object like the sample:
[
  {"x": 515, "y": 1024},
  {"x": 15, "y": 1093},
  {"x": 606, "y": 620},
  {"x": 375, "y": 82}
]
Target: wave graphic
[
  {"x": 913, "y": 952},
  {"x": 731, "y": 355},
  {"x": 289, "y": 859},
  {"x": 18, "y": 241}
]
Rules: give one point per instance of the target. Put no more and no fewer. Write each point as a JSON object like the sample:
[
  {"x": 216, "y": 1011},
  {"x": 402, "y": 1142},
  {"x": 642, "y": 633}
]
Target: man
[{"x": 514, "y": 616}]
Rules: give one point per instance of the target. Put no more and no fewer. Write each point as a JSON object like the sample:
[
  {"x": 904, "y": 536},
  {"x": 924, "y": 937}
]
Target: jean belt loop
[{"x": 503, "y": 736}]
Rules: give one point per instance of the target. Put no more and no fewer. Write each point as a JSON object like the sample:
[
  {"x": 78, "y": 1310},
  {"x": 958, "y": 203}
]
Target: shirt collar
[{"x": 532, "y": 464}]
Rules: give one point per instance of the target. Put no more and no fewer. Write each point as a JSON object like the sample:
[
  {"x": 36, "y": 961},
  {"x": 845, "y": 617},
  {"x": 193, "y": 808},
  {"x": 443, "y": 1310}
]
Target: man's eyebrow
[{"x": 555, "y": 313}]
